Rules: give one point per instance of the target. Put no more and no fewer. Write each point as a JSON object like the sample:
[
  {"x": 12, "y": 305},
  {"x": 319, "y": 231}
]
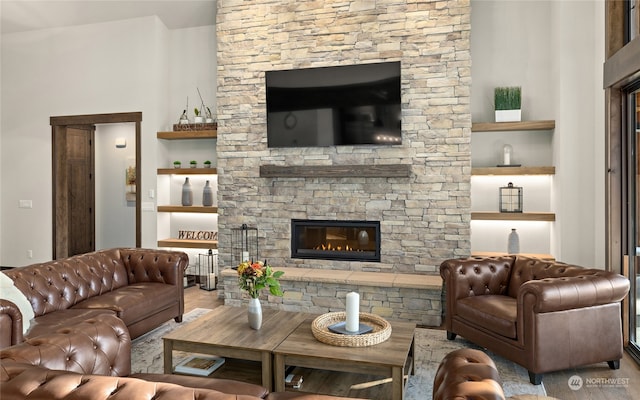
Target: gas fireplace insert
[{"x": 335, "y": 240}]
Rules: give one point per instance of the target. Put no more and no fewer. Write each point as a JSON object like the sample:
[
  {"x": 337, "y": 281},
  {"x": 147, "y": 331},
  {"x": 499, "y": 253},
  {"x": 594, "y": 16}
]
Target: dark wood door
[
  {"x": 74, "y": 192},
  {"x": 80, "y": 169}
]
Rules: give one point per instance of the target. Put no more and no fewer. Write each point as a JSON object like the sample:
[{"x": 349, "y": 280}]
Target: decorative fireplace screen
[{"x": 335, "y": 240}]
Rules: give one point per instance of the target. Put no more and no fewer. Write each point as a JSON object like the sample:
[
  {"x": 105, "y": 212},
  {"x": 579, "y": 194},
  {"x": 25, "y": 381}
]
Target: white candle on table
[
  {"x": 212, "y": 281},
  {"x": 353, "y": 312},
  {"x": 245, "y": 256}
]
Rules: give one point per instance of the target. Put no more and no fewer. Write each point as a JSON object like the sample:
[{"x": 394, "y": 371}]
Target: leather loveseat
[
  {"x": 544, "y": 315},
  {"x": 92, "y": 361},
  {"x": 142, "y": 287}
]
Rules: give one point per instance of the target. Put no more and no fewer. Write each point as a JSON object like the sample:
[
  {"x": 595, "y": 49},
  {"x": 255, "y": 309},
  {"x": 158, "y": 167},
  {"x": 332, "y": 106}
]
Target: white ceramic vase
[{"x": 255, "y": 313}]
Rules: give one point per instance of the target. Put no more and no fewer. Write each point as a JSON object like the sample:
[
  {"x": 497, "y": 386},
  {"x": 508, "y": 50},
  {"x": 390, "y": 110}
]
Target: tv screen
[{"x": 333, "y": 106}]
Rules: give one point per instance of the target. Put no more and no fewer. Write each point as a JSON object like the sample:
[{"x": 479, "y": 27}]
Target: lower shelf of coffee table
[{"x": 314, "y": 381}]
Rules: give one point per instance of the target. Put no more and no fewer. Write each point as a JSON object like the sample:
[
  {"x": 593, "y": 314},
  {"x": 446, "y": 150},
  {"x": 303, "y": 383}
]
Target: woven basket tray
[{"x": 320, "y": 329}]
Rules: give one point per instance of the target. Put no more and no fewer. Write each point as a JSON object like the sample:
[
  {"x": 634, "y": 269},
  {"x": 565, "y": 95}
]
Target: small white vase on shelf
[
  {"x": 513, "y": 245},
  {"x": 254, "y": 311}
]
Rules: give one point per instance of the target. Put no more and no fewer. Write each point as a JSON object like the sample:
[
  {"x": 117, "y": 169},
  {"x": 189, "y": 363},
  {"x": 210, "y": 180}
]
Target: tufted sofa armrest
[
  {"x": 20, "y": 381},
  {"x": 10, "y": 324},
  {"x": 96, "y": 346},
  {"x": 467, "y": 374},
  {"x": 591, "y": 288}
]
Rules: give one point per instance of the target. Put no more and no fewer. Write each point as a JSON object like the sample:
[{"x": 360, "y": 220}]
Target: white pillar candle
[
  {"x": 245, "y": 256},
  {"x": 212, "y": 281},
  {"x": 353, "y": 312},
  {"x": 185, "y": 281}
]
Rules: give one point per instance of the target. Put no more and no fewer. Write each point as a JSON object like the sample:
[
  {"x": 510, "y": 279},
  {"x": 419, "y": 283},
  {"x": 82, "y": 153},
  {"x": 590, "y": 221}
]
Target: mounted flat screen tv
[{"x": 333, "y": 106}]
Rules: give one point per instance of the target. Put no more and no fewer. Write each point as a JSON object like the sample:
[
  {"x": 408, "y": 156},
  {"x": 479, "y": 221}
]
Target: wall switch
[
  {"x": 25, "y": 204},
  {"x": 29, "y": 253},
  {"x": 152, "y": 193}
]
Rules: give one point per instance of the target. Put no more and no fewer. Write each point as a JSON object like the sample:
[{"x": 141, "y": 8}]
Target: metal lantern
[
  {"x": 208, "y": 270},
  {"x": 511, "y": 199},
  {"x": 244, "y": 244}
]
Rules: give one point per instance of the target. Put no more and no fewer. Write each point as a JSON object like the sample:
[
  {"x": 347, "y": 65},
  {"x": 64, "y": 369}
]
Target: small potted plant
[
  {"x": 193, "y": 163},
  {"x": 177, "y": 164},
  {"x": 507, "y": 102},
  {"x": 209, "y": 116},
  {"x": 199, "y": 118},
  {"x": 207, "y": 164}
]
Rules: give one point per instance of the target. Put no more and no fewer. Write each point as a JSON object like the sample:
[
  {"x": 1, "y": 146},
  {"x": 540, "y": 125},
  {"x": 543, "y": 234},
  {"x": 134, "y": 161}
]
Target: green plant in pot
[
  {"x": 508, "y": 103},
  {"x": 177, "y": 164},
  {"x": 199, "y": 118},
  {"x": 207, "y": 164},
  {"x": 193, "y": 163}
]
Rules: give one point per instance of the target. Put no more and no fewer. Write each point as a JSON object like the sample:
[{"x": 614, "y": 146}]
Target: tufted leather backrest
[
  {"x": 21, "y": 381},
  {"x": 96, "y": 346},
  {"x": 158, "y": 267},
  {"x": 59, "y": 284},
  {"x": 478, "y": 276}
]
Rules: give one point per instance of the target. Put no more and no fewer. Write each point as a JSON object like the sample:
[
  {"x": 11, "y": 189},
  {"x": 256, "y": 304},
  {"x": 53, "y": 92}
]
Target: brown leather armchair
[{"x": 543, "y": 315}]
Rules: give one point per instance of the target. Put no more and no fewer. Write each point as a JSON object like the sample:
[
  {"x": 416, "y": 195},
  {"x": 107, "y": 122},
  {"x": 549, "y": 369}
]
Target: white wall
[
  {"x": 558, "y": 63},
  {"x": 102, "y": 68}
]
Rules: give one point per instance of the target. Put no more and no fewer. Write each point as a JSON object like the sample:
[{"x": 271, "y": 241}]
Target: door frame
[{"x": 60, "y": 246}]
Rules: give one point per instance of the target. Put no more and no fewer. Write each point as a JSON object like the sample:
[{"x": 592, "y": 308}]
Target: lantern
[{"x": 511, "y": 199}]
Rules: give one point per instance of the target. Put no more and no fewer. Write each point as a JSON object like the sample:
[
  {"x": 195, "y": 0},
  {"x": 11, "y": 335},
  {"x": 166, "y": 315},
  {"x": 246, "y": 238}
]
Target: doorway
[{"x": 73, "y": 180}]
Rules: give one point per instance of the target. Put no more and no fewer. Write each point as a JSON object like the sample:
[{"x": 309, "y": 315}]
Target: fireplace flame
[{"x": 329, "y": 247}]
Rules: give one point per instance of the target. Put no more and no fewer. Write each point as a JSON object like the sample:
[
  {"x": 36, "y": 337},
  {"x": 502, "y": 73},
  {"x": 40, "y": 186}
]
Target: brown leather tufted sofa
[
  {"x": 92, "y": 361},
  {"x": 543, "y": 315},
  {"x": 143, "y": 287}
]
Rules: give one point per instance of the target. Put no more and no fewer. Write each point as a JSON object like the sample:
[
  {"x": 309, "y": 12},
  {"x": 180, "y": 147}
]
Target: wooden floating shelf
[
  {"x": 187, "y": 171},
  {"x": 513, "y": 171},
  {"x": 525, "y": 216},
  {"x": 188, "y": 243},
  {"x": 336, "y": 171},
  {"x": 545, "y": 125},
  {"x": 189, "y": 209},
  {"x": 179, "y": 135},
  {"x": 499, "y": 254}
]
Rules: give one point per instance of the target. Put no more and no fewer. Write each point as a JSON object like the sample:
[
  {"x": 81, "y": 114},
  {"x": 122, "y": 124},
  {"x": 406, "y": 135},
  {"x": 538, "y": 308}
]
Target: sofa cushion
[
  {"x": 134, "y": 302},
  {"x": 52, "y": 322},
  {"x": 494, "y": 312}
]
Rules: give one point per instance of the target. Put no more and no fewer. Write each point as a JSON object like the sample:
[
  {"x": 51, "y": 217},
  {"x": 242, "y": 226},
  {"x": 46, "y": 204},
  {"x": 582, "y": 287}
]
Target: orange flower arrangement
[{"x": 255, "y": 276}]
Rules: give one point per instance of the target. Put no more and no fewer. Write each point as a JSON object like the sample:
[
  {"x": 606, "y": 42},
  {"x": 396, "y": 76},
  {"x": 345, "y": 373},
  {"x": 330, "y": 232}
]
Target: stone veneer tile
[{"x": 425, "y": 218}]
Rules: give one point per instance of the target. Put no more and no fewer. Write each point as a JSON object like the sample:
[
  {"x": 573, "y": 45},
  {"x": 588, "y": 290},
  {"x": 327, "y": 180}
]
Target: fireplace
[{"x": 335, "y": 240}]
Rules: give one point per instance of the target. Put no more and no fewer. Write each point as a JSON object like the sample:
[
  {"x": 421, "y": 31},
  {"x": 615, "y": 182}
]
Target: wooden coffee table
[
  {"x": 225, "y": 332},
  {"x": 391, "y": 358}
]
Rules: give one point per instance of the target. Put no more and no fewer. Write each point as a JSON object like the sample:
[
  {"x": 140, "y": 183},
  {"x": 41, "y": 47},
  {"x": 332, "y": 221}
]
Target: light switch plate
[{"x": 25, "y": 204}]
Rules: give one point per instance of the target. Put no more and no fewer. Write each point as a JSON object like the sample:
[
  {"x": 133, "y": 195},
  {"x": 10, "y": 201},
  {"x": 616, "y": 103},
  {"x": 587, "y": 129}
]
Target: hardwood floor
[{"x": 598, "y": 381}]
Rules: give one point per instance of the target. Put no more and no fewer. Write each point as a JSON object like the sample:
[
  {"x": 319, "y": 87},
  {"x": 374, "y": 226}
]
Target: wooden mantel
[{"x": 336, "y": 171}]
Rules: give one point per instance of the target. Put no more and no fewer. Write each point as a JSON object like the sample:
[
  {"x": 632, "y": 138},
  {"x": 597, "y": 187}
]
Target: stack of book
[
  {"x": 199, "y": 365},
  {"x": 293, "y": 381}
]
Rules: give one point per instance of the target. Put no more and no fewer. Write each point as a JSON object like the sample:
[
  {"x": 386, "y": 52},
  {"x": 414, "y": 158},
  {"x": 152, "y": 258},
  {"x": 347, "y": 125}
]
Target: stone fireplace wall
[{"x": 425, "y": 217}]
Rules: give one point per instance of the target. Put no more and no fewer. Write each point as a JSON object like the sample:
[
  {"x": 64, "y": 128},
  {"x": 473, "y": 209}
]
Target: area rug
[{"x": 431, "y": 345}]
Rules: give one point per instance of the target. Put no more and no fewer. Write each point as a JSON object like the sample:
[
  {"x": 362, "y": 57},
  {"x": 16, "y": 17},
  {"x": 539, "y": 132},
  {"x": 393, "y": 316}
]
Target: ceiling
[{"x": 27, "y": 15}]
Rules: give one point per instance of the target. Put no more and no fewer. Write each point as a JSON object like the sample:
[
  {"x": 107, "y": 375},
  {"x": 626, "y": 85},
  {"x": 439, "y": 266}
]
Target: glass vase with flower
[{"x": 253, "y": 277}]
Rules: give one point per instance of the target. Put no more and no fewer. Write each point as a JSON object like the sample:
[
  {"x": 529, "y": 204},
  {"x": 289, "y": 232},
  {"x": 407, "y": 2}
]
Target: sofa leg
[
  {"x": 451, "y": 335},
  {"x": 535, "y": 379},
  {"x": 178, "y": 318},
  {"x": 615, "y": 364}
]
